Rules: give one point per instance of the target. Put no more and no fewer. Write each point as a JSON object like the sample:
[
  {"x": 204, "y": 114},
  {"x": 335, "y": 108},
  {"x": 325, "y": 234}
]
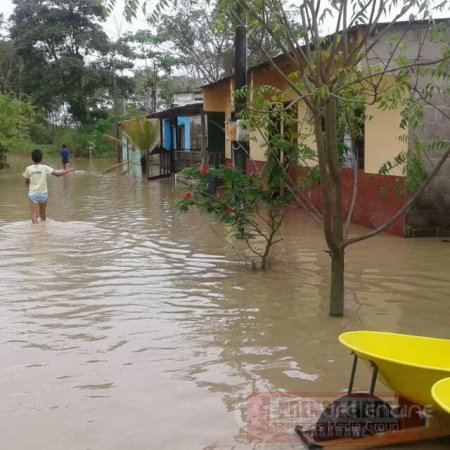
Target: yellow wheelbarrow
[
  {"x": 441, "y": 394},
  {"x": 413, "y": 367}
]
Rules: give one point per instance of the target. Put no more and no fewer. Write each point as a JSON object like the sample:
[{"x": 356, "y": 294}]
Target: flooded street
[{"x": 126, "y": 325}]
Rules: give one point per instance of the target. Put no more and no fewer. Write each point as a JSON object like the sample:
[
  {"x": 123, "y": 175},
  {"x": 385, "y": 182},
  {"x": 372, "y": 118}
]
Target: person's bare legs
[
  {"x": 34, "y": 212},
  {"x": 42, "y": 211}
]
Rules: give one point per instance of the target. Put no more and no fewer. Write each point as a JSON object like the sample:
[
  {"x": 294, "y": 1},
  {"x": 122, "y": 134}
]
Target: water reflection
[{"x": 127, "y": 325}]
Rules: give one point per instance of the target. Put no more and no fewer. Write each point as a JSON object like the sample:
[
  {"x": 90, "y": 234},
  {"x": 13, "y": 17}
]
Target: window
[{"x": 352, "y": 143}]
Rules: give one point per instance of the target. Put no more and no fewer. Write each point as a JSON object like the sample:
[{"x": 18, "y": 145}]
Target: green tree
[
  {"x": 11, "y": 66},
  {"x": 119, "y": 85},
  {"x": 157, "y": 63},
  {"x": 202, "y": 35},
  {"x": 59, "y": 42},
  {"x": 16, "y": 117},
  {"x": 142, "y": 132},
  {"x": 194, "y": 36}
]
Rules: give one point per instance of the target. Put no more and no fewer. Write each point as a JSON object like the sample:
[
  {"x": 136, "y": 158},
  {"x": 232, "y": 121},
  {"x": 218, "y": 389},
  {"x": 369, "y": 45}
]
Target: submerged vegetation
[{"x": 252, "y": 206}]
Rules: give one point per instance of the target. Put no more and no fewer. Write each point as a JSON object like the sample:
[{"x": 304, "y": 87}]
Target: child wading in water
[{"x": 36, "y": 179}]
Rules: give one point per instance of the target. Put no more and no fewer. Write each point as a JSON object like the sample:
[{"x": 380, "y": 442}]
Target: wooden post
[
  {"x": 240, "y": 81},
  {"x": 119, "y": 145},
  {"x": 204, "y": 156}
]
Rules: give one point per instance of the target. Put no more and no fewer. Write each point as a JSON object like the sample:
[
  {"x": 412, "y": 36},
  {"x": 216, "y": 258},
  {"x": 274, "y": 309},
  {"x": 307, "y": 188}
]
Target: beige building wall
[
  {"x": 257, "y": 141},
  {"x": 257, "y": 146},
  {"x": 307, "y": 131},
  {"x": 259, "y": 78},
  {"x": 382, "y": 143},
  {"x": 270, "y": 78},
  {"x": 228, "y": 110},
  {"x": 218, "y": 98}
]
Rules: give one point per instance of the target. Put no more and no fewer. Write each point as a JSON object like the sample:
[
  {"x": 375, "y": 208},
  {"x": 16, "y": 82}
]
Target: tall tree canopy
[
  {"x": 202, "y": 43},
  {"x": 58, "y": 41}
]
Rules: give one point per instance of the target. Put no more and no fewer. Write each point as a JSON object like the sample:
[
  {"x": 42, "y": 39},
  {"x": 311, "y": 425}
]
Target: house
[
  {"x": 378, "y": 198},
  {"x": 181, "y": 122},
  {"x": 190, "y": 134}
]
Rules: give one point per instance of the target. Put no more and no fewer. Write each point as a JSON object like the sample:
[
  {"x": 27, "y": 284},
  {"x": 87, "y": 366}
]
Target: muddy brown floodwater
[{"x": 125, "y": 325}]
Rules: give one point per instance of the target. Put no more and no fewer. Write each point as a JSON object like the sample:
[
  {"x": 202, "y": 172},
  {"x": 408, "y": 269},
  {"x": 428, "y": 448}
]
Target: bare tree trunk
[
  {"x": 337, "y": 249},
  {"x": 203, "y": 153},
  {"x": 326, "y": 138},
  {"x": 240, "y": 81},
  {"x": 337, "y": 283}
]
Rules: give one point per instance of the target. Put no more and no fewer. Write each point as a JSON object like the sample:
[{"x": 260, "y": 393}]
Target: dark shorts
[{"x": 65, "y": 161}]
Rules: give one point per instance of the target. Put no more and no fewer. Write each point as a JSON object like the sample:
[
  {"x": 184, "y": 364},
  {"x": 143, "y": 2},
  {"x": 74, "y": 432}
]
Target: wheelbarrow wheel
[{"x": 355, "y": 416}]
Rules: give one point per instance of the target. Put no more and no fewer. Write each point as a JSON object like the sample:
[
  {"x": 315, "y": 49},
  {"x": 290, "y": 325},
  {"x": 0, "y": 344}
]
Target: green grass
[
  {"x": 25, "y": 148},
  {"x": 77, "y": 148}
]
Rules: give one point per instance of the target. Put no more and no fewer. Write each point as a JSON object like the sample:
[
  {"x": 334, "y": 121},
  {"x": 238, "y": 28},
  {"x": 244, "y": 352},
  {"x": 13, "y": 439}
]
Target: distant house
[
  {"x": 185, "y": 133},
  {"x": 190, "y": 134},
  {"x": 187, "y": 97},
  {"x": 377, "y": 199}
]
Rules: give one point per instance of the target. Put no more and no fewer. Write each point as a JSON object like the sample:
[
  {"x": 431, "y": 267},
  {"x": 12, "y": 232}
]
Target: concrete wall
[{"x": 430, "y": 216}]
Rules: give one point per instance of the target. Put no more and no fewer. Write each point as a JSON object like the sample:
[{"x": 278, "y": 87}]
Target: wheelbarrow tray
[
  {"x": 441, "y": 394},
  {"x": 409, "y": 365}
]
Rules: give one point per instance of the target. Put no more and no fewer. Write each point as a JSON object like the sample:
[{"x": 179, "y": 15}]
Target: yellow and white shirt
[{"x": 37, "y": 174}]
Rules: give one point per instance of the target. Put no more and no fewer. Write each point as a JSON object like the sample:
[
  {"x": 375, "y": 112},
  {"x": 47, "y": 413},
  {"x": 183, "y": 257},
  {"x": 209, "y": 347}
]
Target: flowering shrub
[
  {"x": 188, "y": 195},
  {"x": 203, "y": 170},
  {"x": 252, "y": 205}
]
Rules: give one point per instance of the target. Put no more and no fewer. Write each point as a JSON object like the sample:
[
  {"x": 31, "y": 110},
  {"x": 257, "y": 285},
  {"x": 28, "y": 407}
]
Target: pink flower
[
  {"x": 229, "y": 164},
  {"x": 188, "y": 195},
  {"x": 229, "y": 211},
  {"x": 203, "y": 170}
]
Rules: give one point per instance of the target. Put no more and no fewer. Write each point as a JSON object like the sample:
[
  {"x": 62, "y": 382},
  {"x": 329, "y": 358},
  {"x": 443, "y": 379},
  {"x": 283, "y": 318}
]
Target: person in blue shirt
[{"x": 65, "y": 152}]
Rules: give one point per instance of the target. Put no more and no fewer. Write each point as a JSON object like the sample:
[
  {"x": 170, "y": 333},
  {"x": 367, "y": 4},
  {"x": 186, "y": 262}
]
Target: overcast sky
[{"x": 115, "y": 24}]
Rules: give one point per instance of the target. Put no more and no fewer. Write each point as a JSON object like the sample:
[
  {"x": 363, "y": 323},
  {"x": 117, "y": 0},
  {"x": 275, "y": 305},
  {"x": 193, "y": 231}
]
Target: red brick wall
[{"x": 377, "y": 200}]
